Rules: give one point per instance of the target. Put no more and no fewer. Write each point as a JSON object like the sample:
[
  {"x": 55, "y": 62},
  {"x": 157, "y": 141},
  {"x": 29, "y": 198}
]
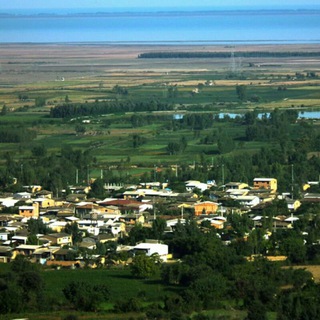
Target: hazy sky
[{"x": 52, "y": 4}]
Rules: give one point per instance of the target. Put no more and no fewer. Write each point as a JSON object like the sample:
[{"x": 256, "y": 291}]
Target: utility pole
[
  {"x": 222, "y": 168},
  {"x": 77, "y": 176},
  {"x": 292, "y": 181}
]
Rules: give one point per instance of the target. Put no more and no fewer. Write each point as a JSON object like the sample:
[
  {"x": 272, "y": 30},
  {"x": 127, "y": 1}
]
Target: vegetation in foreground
[{"x": 208, "y": 276}]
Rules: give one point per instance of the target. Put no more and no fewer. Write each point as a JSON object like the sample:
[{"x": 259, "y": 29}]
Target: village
[{"x": 76, "y": 225}]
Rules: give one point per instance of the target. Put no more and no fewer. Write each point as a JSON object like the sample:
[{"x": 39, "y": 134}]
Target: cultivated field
[{"x": 84, "y": 73}]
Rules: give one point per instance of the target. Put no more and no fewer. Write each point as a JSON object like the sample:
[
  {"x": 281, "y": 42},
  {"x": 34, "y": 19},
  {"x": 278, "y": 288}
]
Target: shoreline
[{"x": 170, "y": 43}]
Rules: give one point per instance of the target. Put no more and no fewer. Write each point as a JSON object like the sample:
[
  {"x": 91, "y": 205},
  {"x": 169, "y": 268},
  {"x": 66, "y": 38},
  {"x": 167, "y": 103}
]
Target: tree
[
  {"x": 173, "y": 148},
  {"x": 39, "y": 151},
  {"x": 225, "y": 143},
  {"x": 138, "y": 140},
  {"x": 172, "y": 92},
  {"x": 158, "y": 227},
  {"x": 80, "y": 129},
  {"x": 120, "y": 90},
  {"x": 143, "y": 266},
  {"x": 85, "y": 296},
  {"x": 40, "y": 102},
  {"x": 36, "y": 226},
  {"x": 209, "y": 289},
  {"x": 97, "y": 189},
  {"x": 22, "y": 288},
  {"x": 75, "y": 232},
  {"x": 4, "y": 110},
  {"x": 295, "y": 249},
  {"x": 241, "y": 92}
]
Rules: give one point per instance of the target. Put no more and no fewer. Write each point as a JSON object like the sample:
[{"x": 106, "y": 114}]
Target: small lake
[{"x": 301, "y": 115}]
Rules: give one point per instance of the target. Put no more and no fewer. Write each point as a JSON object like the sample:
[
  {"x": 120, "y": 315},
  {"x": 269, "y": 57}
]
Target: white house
[
  {"x": 151, "y": 248},
  {"x": 248, "y": 201},
  {"x": 192, "y": 184}
]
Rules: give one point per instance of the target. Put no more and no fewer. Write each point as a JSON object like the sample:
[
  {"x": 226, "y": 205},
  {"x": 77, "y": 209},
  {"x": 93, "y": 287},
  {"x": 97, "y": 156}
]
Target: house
[
  {"x": 8, "y": 202},
  {"x": 265, "y": 183},
  {"x": 248, "y": 201},
  {"x": 57, "y": 226},
  {"x": 153, "y": 248},
  {"x": 6, "y": 254},
  {"x": 206, "y": 207},
  {"x": 22, "y": 196},
  {"x": 191, "y": 185},
  {"x": 87, "y": 245},
  {"x": 33, "y": 188},
  {"x": 44, "y": 194},
  {"x": 84, "y": 209},
  {"x": 44, "y": 202},
  {"x": 106, "y": 237},
  {"x": 118, "y": 228},
  {"x": 63, "y": 254},
  {"x": 20, "y": 239},
  {"x": 80, "y": 189},
  {"x": 132, "y": 218},
  {"x": 216, "y": 222},
  {"x": 311, "y": 197},
  {"x": 43, "y": 254},
  {"x": 292, "y": 204},
  {"x": 128, "y": 206},
  {"x": 4, "y": 236},
  {"x": 29, "y": 211},
  {"x": 77, "y": 197},
  {"x": 236, "y": 186},
  {"x": 60, "y": 239},
  {"x": 27, "y": 250}
]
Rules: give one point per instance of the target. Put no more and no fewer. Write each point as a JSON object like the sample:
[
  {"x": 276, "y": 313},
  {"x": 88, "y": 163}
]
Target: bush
[
  {"x": 71, "y": 317},
  {"x": 131, "y": 305}
]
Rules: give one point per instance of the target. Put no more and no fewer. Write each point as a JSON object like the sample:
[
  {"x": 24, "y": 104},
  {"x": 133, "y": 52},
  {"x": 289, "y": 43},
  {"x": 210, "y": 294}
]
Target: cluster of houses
[{"x": 112, "y": 218}]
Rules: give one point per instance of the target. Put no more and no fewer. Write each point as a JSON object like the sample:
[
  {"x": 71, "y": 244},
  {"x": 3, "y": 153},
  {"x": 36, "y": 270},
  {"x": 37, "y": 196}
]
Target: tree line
[
  {"x": 69, "y": 110},
  {"x": 245, "y": 54},
  {"x": 13, "y": 134}
]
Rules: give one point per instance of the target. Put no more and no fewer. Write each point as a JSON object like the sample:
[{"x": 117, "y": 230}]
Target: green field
[{"x": 188, "y": 85}]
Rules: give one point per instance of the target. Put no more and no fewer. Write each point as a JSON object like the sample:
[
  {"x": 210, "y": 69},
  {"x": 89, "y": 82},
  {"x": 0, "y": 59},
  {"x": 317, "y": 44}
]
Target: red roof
[{"x": 121, "y": 202}]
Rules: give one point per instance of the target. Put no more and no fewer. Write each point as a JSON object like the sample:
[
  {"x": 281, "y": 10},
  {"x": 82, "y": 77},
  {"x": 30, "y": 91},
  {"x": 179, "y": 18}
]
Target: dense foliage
[
  {"x": 69, "y": 110},
  {"x": 16, "y": 134}
]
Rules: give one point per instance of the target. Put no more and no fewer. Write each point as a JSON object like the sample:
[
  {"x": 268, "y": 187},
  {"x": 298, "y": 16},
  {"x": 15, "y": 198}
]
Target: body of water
[
  {"x": 301, "y": 115},
  {"x": 165, "y": 27}
]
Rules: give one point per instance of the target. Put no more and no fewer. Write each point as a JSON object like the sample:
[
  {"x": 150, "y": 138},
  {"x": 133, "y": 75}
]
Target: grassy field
[{"x": 117, "y": 280}]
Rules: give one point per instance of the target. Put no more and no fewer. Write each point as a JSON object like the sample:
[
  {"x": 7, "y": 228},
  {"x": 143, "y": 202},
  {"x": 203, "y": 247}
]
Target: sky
[{"x": 64, "y": 4}]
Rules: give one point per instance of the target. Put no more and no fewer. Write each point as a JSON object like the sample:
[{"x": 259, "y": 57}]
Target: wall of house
[{"x": 205, "y": 208}]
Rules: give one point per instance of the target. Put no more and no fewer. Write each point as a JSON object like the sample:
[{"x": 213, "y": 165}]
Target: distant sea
[{"x": 172, "y": 27}]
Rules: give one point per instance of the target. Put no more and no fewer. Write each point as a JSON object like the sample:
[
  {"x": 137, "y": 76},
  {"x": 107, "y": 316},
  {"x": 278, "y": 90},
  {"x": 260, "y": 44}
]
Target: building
[
  {"x": 153, "y": 248},
  {"x": 29, "y": 211},
  {"x": 236, "y": 186},
  {"x": 206, "y": 207},
  {"x": 265, "y": 183},
  {"x": 191, "y": 185},
  {"x": 60, "y": 239},
  {"x": 248, "y": 201}
]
